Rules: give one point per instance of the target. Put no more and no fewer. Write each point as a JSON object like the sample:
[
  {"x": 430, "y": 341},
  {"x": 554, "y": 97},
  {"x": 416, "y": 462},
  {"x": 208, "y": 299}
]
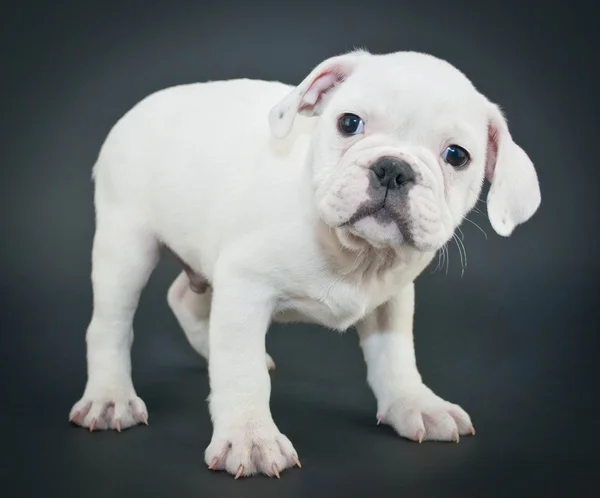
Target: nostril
[
  {"x": 403, "y": 179},
  {"x": 380, "y": 172}
]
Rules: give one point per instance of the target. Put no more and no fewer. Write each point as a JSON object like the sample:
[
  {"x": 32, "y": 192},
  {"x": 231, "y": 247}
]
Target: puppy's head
[{"x": 401, "y": 149}]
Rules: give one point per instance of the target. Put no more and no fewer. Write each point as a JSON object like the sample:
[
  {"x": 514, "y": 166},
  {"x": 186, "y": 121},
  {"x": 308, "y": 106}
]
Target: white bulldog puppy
[{"x": 320, "y": 203}]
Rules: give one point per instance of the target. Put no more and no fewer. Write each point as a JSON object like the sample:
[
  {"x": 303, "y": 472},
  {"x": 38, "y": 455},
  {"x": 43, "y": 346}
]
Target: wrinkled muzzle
[{"x": 386, "y": 200}]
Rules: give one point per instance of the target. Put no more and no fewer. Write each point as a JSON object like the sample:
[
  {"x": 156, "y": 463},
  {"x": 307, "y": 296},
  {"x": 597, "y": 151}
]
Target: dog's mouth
[
  {"x": 361, "y": 213},
  {"x": 381, "y": 212},
  {"x": 377, "y": 224}
]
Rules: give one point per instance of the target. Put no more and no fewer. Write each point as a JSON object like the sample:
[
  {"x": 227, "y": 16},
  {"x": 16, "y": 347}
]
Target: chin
[{"x": 380, "y": 233}]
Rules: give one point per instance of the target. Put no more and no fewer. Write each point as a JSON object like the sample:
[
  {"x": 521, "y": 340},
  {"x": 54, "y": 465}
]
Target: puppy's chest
[{"x": 337, "y": 305}]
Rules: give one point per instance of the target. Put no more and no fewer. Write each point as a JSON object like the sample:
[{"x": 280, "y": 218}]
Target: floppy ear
[
  {"x": 307, "y": 97},
  {"x": 514, "y": 195}
]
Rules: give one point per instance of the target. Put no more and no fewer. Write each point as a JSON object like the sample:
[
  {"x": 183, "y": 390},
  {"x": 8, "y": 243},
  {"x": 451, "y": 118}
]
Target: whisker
[
  {"x": 464, "y": 251},
  {"x": 478, "y": 193},
  {"x": 462, "y": 243},
  {"x": 443, "y": 256},
  {"x": 442, "y": 253},
  {"x": 438, "y": 262},
  {"x": 381, "y": 258},
  {"x": 480, "y": 229},
  {"x": 359, "y": 255},
  {"x": 460, "y": 254}
]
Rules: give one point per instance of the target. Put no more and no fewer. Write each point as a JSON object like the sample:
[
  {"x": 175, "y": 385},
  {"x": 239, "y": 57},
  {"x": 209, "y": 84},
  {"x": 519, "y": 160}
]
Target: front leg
[
  {"x": 404, "y": 401},
  {"x": 245, "y": 438}
]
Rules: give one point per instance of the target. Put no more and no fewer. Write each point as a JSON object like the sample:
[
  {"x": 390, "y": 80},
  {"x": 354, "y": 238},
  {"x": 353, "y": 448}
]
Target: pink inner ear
[
  {"x": 492, "y": 152},
  {"x": 320, "y": 85}
]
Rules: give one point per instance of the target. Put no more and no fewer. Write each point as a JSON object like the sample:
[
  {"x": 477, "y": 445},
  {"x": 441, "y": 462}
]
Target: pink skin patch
[
  {"x": 215, "y": 465},
  {"x": 320, "y": 85},
  {"x": 420, "y": 433},
  {"x": 198, "y": 283},
  {"x": 492, "y": 152},
  {"x": 79, "y": 416},
  {"x": 107, "y": 414}
]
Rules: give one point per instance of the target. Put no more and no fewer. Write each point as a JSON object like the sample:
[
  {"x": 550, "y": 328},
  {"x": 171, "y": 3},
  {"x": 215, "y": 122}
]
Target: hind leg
[
  {"x": 192, "y": 311},
  {"x": 123, "y": 257}
]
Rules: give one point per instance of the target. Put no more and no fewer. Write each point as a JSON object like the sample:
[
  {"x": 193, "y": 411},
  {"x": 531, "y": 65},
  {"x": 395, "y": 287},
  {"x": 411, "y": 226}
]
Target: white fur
[{"x": 251, "y": 190}]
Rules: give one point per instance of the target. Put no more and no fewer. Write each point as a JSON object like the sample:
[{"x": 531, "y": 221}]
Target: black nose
[{"x": 393, "y": 173}]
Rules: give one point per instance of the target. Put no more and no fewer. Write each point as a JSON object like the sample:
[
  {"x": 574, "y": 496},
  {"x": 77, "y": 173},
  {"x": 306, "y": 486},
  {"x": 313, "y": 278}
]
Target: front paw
[
  {"x": 105, "y": 407},
  {"x": 419, "y": 414},
  {"x": 251, "y": 447}
]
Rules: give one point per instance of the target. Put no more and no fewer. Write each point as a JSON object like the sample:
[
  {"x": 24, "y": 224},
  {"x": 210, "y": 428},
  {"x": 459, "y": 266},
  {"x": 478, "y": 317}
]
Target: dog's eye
[
  {"x": 456, "y": 156},
  {"x": 350, "y": 124}
]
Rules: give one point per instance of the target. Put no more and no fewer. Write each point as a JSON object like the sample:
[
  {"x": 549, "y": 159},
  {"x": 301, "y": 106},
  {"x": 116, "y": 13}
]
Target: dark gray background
[{"x": 513, "y": 340}]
